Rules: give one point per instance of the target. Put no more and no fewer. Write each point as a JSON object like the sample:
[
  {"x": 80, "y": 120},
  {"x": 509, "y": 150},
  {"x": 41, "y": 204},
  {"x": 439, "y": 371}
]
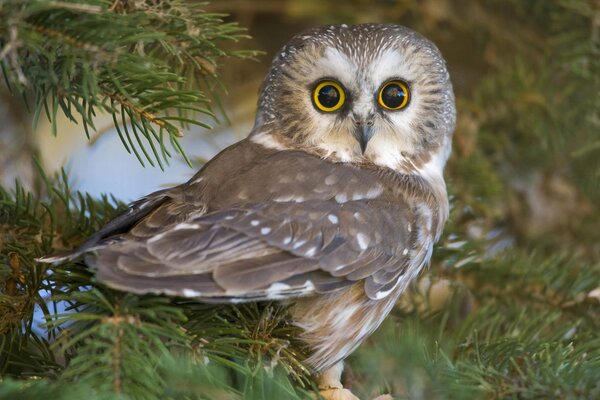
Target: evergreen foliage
[
  {"x": 149, "y": 64},
  {"x": 510, "y": 307}
]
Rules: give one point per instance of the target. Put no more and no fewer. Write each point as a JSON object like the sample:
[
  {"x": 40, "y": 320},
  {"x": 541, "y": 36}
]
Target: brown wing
[
  {"x": 264, "y": 251},
  {"x": 260, "y": 224}
]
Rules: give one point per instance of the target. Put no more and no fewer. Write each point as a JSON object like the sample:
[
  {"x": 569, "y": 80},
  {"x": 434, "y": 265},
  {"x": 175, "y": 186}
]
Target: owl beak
[{"x": 363, "y": 132}]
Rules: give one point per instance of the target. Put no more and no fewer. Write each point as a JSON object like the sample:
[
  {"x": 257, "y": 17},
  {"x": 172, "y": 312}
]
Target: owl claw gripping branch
[{"x": 334, "y": 200}]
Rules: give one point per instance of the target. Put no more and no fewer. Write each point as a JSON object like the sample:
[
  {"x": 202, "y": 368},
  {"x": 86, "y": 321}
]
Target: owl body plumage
[{"x": 306, "y": 209}]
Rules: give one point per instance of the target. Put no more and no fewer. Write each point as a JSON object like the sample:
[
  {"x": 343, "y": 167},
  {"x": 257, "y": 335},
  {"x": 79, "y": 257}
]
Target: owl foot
[
  {"x": 330, "y": 386},
  {"x": 344, "y": 394},
  {"x": 337, "y": 394}
]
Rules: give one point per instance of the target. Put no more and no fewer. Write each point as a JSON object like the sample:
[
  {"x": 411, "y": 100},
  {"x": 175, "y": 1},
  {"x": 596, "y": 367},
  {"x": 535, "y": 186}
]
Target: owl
[{"x": 333, "y": 202}]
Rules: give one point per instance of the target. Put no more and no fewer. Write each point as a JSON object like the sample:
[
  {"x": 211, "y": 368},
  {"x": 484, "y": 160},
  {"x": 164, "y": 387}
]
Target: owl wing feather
[
  {"x": 265, "y": 250},
  {"x": 312, "y": 226}
]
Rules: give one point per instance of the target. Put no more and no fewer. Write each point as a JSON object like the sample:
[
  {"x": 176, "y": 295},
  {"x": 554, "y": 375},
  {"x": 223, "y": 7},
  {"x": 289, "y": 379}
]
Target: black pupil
[
  {"x": 329, "y": 96},
  {"x": 393, "y": 96}
]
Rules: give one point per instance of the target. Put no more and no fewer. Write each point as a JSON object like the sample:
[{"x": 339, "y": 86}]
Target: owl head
[{"x": 375, "y": 93}]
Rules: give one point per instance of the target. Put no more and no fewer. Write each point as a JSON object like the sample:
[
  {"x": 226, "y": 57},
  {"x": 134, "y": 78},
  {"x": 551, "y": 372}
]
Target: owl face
[{"x": 366, "y": 93}]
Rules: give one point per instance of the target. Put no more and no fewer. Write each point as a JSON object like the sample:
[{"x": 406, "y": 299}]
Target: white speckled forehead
[
  {"x": 334, "y": 64},
  {"x": 387, "y": 64},
  {"x": 374, "y": 51},
  {"x": 392, "y": 64},
  {"x": 369, "y": 61}
]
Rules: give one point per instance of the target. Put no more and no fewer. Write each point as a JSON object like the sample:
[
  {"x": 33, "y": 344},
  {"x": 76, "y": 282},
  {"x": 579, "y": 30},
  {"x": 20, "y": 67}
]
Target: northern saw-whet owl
[{"x": 333, "y": 202}]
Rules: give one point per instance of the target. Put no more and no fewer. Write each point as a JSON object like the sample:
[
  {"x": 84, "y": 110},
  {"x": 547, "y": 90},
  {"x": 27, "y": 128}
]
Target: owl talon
[
  {"x": 336, "y": 394},
  {"x": 344, "y": 394},
  {"x": 339, "y": 393}
]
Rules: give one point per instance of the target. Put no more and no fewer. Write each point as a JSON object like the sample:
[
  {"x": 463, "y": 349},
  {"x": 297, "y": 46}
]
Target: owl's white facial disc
[{"x": 360, "y": 61}]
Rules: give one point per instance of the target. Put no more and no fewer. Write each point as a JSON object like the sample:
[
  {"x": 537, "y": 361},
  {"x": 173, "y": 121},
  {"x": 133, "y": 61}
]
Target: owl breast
[{"x": 335, "y": 324}]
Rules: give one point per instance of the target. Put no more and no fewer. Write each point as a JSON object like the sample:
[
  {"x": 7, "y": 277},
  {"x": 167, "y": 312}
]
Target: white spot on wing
[
  {"x": 370, "y": 194},
  {"x": 331, "y": 179},
  {"x": 254, "y": 222},
  {"x": 383, "y": 293},
  {"x": 185, "y": 225},
  {"x": 363, "y": 241},
  {"x": 156, "y": 237},
  {"x": 283, "y": 199},
  {"x": 265, "y": 231},
  {"x": 299, "y": 243},
  {"x": 341, "y": 198},
  {"x": 277, "y": 287},
  {"x": 333, "y": 218},
  {"x": 339, "y": 267},
  {"x": 374, "y": 192},
  {"x": 191, "y": 293},
  {"x": 311, "y": 252}
]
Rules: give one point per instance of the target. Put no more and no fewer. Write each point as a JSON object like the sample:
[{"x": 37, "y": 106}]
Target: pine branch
[
  {"x": 116, "y": 343},
  {"x": 532, "y": 336},
  {"x": 252, "y": 333},
  {"x": 121, "y": 333},
  {"x": 32, "y": 227},
  {"x": 150, "y": 62}
]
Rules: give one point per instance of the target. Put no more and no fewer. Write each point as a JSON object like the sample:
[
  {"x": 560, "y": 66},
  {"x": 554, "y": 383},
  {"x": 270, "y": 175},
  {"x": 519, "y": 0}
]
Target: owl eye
[
  {"x": 394, "y": 95},
  {"x": 328, "y": 96}
]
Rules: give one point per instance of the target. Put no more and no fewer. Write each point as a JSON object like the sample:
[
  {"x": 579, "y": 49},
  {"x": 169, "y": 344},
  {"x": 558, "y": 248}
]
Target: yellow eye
[
  {"x": 394, "y": 95},
  {"x": 328, "y": 96}
]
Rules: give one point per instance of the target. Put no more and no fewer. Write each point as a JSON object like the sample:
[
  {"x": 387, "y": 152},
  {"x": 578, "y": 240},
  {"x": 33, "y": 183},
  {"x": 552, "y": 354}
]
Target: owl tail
[{"x": 121, "y": 223}]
